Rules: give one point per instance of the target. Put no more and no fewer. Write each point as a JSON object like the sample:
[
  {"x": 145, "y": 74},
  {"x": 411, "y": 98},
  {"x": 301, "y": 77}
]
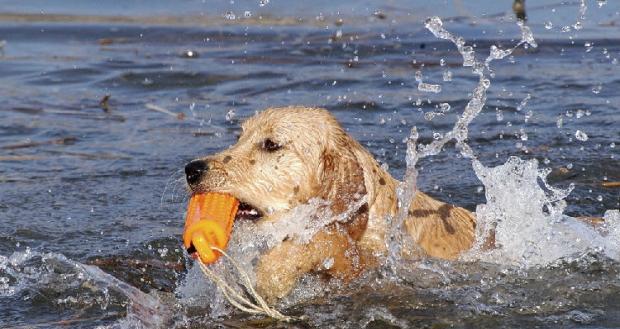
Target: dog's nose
[{"x": 194, "y": 170}]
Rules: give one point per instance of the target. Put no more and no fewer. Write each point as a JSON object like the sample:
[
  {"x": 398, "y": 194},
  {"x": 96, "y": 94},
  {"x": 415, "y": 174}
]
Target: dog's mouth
[{"x": 248, "y": 212}]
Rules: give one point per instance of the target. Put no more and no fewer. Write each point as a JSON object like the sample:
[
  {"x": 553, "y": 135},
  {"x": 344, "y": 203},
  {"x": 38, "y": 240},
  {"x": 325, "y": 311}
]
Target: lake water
[{"x": 85, "y": 182}]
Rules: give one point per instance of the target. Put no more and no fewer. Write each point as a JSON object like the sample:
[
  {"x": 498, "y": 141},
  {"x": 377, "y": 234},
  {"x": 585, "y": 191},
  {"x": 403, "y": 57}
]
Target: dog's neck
[{"x": 428, "y": 220}]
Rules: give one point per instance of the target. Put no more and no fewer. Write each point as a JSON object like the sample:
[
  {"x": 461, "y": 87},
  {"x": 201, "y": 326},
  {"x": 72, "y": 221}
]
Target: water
[{"x": 81, "y": 187}]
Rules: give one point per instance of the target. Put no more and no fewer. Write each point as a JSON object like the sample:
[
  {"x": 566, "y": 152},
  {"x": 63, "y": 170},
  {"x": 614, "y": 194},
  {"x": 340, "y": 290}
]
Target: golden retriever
[{"x": 288, "y": 156}]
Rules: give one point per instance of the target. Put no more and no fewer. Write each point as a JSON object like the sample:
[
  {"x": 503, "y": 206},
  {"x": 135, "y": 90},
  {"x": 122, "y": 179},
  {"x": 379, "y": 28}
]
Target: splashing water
[
  {"x": 85, "y": 288},
  {"x": 528, "y": 223},
  {"x": 424, "y": 86},
  {"x": 523, "y": 213},
  {"x": 406, "y": 190},
  {"x": 249, "y": 242}
]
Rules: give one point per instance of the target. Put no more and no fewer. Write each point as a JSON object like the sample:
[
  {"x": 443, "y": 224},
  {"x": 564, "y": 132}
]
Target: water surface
[{"x": 102, "y": 184}]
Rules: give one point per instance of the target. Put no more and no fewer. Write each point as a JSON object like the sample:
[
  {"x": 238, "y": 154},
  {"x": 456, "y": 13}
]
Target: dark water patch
[
  {"x": 65, "y": 76},
  {"x": 122, "y": 64},
  {"x": 166, "y": 80},
  {"x": 16, "y": 130},
  {"x": 10, "y": 69},
  {"x": 363, "y": 106},
  {"x": 305, "y": 85},
  {"x": 61, "y": 141}
]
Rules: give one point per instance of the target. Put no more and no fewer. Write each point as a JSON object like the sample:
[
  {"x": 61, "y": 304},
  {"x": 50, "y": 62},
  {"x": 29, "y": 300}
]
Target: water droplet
[
  {"x": 499, "y": 115},
  {"x": 442, "y": 62},
  {"x": 418, "y": 76},
  {"x": 496, "y": 53},
  {"x": 162, "y": 252},
  {"x": 447, "y": 76},
  {"x": 580, "y": 113},
  {"x": 230, "y": 115},
  {"x": 580, "y": 135},
  {"x": 189, "y": 54},
  {"x": 230, "y": 15},
  {"x": 548, "y": 25},
  {"x": 328, "y": 263},
  {"x": 427, "y": 87},
  {"x": 247, "y": 14},
  {"x": 597, "y": 89},
  {"x": 444, "y": 107},
  {"x": 263, "y": 3},
  {"x": 601, "y": 3},
  {"x": 524, "y": 102},
  {"x": 599, "y": 198}
]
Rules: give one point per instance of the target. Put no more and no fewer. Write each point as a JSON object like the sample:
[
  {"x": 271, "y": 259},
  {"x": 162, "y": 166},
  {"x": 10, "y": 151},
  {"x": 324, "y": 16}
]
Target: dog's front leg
[{"x": 329, "y": 251}]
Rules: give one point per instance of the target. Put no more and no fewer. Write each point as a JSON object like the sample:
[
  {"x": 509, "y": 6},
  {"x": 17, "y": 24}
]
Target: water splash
[
  {"x": 426, "y": 87},
  {"x": 523, "y": 213},
  {"x": 250, "y": 241},
  {"x": 525, "y": 216},
  {"x": 80, "y": 286},
  {"x": 578, "y": 25},
  {"x": 459, "y": 133}
]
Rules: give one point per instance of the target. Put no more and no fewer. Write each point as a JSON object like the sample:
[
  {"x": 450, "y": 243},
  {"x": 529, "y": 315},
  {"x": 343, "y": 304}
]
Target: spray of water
[
  {"x": 225, "y": 282},
  {"x": 415, "y": 152},
  {"x": 81, "y": 286},
  {"x": 523, "y": 213}
]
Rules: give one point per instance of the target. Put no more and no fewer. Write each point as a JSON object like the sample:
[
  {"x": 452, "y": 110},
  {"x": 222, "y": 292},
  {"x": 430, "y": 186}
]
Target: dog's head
[{"x": 284, "y": 157}]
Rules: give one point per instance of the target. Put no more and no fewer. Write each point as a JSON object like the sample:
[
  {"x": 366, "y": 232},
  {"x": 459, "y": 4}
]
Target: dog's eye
[{"x": 270, "y": 146}]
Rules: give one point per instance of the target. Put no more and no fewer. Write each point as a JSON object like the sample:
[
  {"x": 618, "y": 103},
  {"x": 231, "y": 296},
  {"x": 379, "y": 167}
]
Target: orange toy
[{"x": 209, "y": 221}]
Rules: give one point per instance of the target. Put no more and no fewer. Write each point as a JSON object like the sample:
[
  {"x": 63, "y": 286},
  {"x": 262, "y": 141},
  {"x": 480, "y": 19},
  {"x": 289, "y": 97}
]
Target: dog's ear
[
  {"x": 342, "y": 180},
  {"x": 343, "y": 185}
]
